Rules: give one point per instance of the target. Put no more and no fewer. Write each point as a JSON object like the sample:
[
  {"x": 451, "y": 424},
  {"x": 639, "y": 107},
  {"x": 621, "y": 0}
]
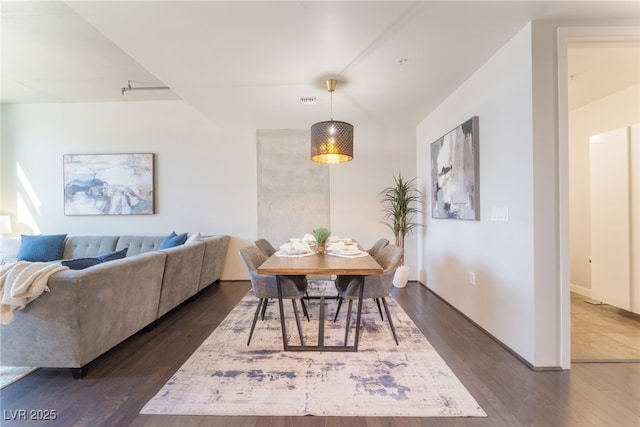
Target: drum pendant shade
[{"x": 331, "y": 141}]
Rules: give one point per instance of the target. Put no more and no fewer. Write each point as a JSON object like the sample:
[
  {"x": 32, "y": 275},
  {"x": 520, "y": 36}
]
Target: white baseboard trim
[{"x": 581, "y": 290}]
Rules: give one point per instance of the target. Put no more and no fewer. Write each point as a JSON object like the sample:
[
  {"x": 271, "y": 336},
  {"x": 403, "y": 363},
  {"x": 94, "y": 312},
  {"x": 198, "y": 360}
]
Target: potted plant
[
  {"x": 321, "y": 235},
  {"x": 400, "y": 206}
]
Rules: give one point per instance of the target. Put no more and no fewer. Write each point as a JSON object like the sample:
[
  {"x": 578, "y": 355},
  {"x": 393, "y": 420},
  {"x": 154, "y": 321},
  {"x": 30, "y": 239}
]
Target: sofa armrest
[
  {"x": 215, "y": 255},
  {"x": 181, "y": 275}
]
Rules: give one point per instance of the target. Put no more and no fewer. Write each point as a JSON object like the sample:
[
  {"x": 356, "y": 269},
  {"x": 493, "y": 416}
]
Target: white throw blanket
[{"x": 21, "y": 283}]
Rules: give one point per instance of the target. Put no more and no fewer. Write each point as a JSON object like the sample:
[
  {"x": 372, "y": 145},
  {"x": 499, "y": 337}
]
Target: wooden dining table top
[{"x": 320, "y": 264}]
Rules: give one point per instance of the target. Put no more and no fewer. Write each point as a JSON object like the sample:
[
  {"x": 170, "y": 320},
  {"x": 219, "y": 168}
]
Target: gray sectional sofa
[{"x": 89, "y": 311}]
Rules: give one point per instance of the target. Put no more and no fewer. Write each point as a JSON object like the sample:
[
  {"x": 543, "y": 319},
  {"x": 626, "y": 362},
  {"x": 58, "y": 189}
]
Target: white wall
[
  {"x": 199, "y": 169},
  {"x": 519, "y": 297},
  {"x": 501, "y": 254},
  {"x": 615, "y": 111},
  {"x": 356, "y": 211},
  {"x": 205, "y": 175}
]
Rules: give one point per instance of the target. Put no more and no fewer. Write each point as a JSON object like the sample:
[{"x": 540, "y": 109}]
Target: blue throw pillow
[
  {"x": 110, "y": 256},
  {"x": 41, "y": 248},
  {"x": 173, "y": 240},
  {"x": 80, "y": 263}
]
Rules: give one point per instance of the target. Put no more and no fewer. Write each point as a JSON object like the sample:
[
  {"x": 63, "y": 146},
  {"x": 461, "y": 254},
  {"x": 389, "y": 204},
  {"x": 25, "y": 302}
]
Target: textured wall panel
[{"x": 293, "y": 191}]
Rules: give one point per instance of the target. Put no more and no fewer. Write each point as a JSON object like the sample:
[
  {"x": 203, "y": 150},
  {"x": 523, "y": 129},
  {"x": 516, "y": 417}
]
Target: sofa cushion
[
  {"x": 88, "y": 246},
  {"x": 41, "y": 248},
  {"x": 173, "y": 240},
  {"x": 139, "y": 244},
  {"x": 80, "y": 263},
  {"x": 110, "y": 256}
]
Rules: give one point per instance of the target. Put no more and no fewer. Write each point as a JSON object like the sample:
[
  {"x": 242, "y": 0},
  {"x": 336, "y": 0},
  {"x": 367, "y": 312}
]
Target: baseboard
[
  {"x": 503, "y": 345},
  {"x": 581, "y": 290}
]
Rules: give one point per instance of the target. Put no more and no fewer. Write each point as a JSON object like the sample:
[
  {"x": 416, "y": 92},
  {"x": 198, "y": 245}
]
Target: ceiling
[
  {"x": 250, "y": 62},
  {"x": 596, "y": 71}
]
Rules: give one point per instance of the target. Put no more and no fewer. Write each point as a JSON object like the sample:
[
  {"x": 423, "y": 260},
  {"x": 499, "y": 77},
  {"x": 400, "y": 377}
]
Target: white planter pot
[{"x": 401, "y": 276}]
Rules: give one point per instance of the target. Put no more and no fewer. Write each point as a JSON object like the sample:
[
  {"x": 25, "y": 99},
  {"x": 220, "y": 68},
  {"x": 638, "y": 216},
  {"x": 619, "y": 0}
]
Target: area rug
[
  {"x": 11, "y": 374},
  {"x": 226, "y": 377}
]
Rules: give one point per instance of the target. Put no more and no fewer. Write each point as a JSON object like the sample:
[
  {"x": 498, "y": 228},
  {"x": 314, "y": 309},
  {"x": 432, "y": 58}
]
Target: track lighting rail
[{"x": 129, "y": 88}]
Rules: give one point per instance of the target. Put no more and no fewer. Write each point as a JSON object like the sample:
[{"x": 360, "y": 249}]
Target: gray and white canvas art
[
  {"x": 454, "y": 173},
  {"x": 108, "y": 184}
]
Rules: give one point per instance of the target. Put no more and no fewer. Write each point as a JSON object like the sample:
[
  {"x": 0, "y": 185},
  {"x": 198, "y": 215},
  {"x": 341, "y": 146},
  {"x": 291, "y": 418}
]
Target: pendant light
[{"x": 331, "y": 141}]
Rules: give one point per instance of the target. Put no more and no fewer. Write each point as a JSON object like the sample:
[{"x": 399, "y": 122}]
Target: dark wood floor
[{"x": 120, "y": 382}]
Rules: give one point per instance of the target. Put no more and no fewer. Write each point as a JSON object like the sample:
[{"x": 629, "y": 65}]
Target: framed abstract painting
[
  {"x": 454, "y": 173},
  {"x": 108, "y": 184}
]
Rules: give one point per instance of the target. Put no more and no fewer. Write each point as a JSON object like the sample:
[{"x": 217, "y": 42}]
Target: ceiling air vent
[{"x": 308, "y": 100}]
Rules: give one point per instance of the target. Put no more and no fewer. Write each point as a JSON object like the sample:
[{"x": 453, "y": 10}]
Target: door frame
[{"x": 567, "y": 36}]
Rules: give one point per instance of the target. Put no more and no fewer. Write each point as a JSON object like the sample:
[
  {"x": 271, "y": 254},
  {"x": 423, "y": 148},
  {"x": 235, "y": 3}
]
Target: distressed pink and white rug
[
  {"x": 11, "y": 374},
  {"x": 226, "y": 377}
]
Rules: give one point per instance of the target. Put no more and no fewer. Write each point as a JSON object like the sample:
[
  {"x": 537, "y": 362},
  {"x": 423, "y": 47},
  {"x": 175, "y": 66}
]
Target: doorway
[{"x": 598, "y": 332}]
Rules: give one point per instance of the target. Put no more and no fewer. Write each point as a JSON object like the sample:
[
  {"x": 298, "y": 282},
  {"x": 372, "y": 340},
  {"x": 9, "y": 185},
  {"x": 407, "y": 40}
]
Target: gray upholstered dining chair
[
  {"x": 266, "y": 287},
  {"x": 266, "y": 247},
  {"x": 377, "y": 287},
  {"x": 377, "y": 246}
]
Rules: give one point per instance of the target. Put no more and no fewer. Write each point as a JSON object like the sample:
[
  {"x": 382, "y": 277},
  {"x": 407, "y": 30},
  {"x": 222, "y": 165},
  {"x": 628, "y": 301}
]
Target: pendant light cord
[{"x": 331, "y": 98}]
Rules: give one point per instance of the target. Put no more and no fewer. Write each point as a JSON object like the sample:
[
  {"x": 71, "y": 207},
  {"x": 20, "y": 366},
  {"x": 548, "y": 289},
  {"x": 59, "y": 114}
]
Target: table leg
[
  {"x": 297, "y": 316},
  {"x": 321, "y": 345},
  {"x": 360, "y": 294},
  {"x": 282, "y": 322},
  {"x": 321, "y": 324},
  {"x": 346, "y": 329}
]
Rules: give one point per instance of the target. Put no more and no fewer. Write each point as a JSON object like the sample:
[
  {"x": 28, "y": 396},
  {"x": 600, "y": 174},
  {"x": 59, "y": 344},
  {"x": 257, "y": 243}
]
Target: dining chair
[
  {"x": 377, "y": 287},
  {"x": 266, "y": 247},
  {"x": 266, "y": 286},
  {"x": 381, "y": 243}
]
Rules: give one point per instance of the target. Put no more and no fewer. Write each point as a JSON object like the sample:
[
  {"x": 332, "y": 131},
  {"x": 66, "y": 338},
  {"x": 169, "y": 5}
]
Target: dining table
[{"x": 321, "y": 264}]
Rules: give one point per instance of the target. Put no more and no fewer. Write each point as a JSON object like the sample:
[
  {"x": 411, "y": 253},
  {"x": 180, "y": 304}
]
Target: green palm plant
[{"x": 400, "y": 206}]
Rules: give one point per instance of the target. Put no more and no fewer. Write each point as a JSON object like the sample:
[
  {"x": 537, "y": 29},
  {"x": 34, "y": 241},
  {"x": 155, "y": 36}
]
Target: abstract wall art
[
  {"x": 108, "y": 184},
  {"x": 454, "y": 173}
]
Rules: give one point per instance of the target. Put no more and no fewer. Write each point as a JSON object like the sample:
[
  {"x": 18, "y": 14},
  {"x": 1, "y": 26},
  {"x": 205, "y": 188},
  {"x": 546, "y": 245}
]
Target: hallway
[{"x": 603, "y": 333}]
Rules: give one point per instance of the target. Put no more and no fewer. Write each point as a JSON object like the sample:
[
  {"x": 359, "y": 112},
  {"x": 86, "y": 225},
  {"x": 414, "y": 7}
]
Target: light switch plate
[{"x": 500, "y": 214}]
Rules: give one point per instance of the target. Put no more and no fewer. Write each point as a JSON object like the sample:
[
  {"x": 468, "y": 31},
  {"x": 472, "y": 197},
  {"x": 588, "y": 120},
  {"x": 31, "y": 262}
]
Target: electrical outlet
[{"x": 472, "y": 278}]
